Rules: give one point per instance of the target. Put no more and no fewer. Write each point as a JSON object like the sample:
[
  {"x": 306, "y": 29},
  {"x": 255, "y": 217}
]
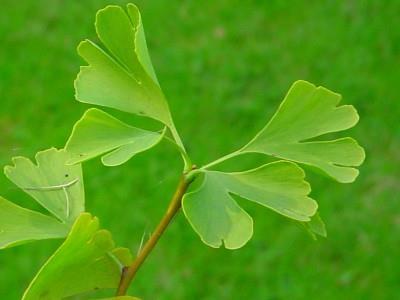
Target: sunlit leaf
[
  {"x": 86, "y": 261},
  {"x": 140, "y": 41},
  {"x": 121, "y": 76},
  {"x": 216, "y": 216},
  {"x": 124, "y": 37},
  {"x": 307, "y": 112},
  {"x": 56, "y": 186},
  {"x": 19, "y": 225},
  {"x": 97, "y": 133}
]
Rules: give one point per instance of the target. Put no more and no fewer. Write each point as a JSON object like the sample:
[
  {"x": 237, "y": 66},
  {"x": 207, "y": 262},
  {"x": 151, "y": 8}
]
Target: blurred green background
[{"x": 224, "y": 66}]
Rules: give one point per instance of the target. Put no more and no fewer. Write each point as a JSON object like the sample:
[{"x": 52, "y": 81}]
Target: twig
[{"x": 174, "y": 206}]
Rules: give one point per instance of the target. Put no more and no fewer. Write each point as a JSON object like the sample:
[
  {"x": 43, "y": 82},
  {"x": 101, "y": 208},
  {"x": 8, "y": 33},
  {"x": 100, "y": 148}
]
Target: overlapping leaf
[
  {"x": 97, "y": 133},
  {"x": 88, "y": 260},
  {"x": 121, "y": 76},
  {"x": 55, "y": 186},
  {"x": 307, "y": 112},
  {"x": 19, "y": 225},
  {"x": 218, "y": 219}
]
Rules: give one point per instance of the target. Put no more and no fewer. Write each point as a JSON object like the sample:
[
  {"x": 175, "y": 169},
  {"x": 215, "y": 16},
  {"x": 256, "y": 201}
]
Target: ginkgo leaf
[
  {"x": 55, "y": 185},
  {"x": 140, "y": 41},
  {"x": 125, "y": 39},
  {"x": 86, "y": 261},
  {"x": 216, "y": 216},
  {"x": 19, "y": 225},
  {"x": 121, "y": 76},
  {"x": 97, "y": 133},
  {"x": 307, "y": 112}
]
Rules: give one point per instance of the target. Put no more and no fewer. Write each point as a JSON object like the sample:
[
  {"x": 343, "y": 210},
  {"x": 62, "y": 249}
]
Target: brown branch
[{"x": 129, "y": 273}]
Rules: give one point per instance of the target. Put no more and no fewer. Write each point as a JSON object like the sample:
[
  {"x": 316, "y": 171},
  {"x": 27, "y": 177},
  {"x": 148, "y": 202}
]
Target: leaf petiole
[
  {"x": 177, "y": 142},
  {"x": 221, "y": 159},
  {"x": 173, "y": 208}
]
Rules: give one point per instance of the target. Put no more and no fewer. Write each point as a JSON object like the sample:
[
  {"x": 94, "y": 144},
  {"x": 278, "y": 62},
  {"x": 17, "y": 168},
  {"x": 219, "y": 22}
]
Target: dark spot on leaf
[{"x": 66, "y": 175}]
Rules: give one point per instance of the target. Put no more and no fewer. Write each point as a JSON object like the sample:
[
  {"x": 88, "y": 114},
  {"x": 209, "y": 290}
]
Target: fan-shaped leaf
[
  {"x": 124, "y": 37},
  {"x": 216, "y": 216},
  {"x": 56, "y": 186},
  {"x": 86, "y": 261},
  {"x": 97, "y": 133},
  {"x": 19, "y": 225},
  {"x": 307, "y": 112},
  {"x": 125, "y": 78}
]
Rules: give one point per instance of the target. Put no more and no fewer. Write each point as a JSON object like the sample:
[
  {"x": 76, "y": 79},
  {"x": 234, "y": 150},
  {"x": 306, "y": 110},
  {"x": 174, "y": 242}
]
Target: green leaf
[
  {"x": 121, "y": 76},
  {"x": 125, "y": 39},
  {"x": 56, "y": 186},
  {"x": 140, "y": 41},
  {"x": 307, "y": 112},
  {"x": 19, "y": 225},
  {"x": 97, "y": 133},
  {"x": 86, "y": 261},
  {"x": 216, "y": 216},
  {"x": 316, "y": 226}
]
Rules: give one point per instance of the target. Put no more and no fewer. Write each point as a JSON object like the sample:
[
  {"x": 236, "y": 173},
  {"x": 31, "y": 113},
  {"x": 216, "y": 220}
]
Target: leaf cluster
[{"x": 119, "y": 75}]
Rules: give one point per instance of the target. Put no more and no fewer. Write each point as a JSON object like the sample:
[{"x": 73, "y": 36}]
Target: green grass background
[{"x": 224, "y": 66}]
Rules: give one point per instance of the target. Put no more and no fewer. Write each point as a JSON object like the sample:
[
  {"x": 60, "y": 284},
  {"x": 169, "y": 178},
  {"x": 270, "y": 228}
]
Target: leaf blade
[
  {"x": 85, "y": 254},
  {"x": 315, "y": 115},
  {"x": 117, "y": 33},
  {"x": 54, "y": 185},
  {"x": 140, "y": 41},
  {"x": 279, "y": 186},
  {"x": 217, "y": 221},
  {"x": 217, "y": 218},
  {"x": 124, "y": 79},
  {"x": 98, "y": 133},
  {"x": 19, "y": 225}
]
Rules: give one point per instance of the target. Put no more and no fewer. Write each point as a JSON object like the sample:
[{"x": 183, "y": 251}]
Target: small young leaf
[
  {"x": 19, "y": 225},
  {"x": 125, "y": 78},
  {"x": 307, "y": 112},
  {"x": 97, "y": 133},
  {"x": 86, "y": 261},
  {"x": 216, "y": 217},
  {"x": 56, "y": 186}
]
